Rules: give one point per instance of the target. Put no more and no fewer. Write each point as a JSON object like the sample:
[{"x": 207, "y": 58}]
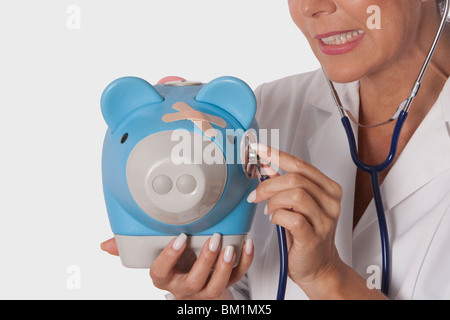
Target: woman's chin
[{"x": 341, "y": 74}]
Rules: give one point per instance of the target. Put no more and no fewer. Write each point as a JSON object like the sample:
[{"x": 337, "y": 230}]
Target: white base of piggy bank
[{"x": 140, "y": 252}]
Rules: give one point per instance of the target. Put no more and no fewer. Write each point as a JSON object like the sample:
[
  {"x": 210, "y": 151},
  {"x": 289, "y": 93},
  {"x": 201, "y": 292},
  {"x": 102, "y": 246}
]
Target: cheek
[
  {"x": 388, "y": 45},
  {"x": 296, "y": 16}
]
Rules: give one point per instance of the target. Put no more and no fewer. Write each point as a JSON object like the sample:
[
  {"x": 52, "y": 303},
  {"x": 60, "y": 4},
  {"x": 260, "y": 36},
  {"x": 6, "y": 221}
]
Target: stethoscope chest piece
[{"x": 249, "y": 157}]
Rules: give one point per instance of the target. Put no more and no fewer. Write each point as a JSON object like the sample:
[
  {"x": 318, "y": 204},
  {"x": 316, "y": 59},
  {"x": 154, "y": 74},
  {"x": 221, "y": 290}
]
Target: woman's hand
[
  {"x": 196, "y": 279},
  {"x": 307, "y": 204}
]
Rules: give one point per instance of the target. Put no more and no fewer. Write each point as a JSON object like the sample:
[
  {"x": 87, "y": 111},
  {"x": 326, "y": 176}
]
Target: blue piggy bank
[{"x": 172, "y": 164}]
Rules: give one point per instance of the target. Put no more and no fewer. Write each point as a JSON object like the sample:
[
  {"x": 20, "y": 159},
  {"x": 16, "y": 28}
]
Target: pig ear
[
  {"x": 125, "y": 95},
  {"x": 232, "y": 95}
]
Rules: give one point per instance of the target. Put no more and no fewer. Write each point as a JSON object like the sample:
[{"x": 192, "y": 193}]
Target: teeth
[{"x": 342, "y": 38}]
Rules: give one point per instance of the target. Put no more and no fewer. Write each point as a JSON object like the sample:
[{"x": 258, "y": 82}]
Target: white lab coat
[{"x": 416, "y": 192}]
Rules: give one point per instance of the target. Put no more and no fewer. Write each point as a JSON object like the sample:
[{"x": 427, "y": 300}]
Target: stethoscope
[{"x": 252, "y": 164}]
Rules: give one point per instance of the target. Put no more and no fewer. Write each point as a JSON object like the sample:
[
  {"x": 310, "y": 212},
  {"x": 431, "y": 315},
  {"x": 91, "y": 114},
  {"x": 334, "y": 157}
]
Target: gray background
[{"x": 52, "y": 213}]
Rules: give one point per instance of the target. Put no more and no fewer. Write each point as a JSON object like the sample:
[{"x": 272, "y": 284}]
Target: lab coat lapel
[
  {"x": 329, "y": 152},
  {"x": 418, "y": 164}
]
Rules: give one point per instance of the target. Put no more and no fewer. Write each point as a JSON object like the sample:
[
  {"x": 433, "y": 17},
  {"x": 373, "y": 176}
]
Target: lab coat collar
[
  {"x": 348, "y": 93},
  {"x": 426, "y": 156}
]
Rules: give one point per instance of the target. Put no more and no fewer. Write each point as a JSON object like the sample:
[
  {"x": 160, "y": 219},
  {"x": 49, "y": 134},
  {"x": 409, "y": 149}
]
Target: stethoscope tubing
[
  {"x": 393, "y": 148},
  {"x": 374, "y": 171},
  {"x": 283, "y": 254},
  {"x": 282, "y": 246}
]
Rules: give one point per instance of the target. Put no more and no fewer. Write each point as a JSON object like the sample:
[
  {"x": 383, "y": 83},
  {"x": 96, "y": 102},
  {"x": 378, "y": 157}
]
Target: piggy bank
[{"x": 171, "y": 164}]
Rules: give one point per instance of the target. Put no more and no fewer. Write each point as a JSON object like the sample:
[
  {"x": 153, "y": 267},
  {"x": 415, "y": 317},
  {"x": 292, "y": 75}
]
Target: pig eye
[{"x": 124, "y": 138}]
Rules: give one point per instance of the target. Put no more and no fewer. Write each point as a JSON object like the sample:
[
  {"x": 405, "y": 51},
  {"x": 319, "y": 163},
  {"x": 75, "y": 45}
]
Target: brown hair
[{"x": 441, "y": 6}]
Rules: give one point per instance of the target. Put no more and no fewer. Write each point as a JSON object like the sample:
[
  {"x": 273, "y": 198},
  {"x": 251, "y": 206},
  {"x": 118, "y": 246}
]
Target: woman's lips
[{"x": 339, "y": 42}]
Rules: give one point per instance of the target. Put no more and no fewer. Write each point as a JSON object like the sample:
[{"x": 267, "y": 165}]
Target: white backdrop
[{"x": 56, "y": 57}]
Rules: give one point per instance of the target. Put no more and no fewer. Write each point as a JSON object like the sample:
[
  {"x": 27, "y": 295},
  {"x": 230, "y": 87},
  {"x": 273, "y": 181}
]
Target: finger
[
  {"x": 290, "y": 163},
  {"x": 197, "y": 277},
  {"x": 295, "y": 223},
  {"x": 244, "y": 263},
  {"x": 110, "y": 246},
  {"x": 270, "y": 187},
  {"x": 163, "y": 265},
  {"x": 267, "y": 171},
  {"x": 298, "y": 201},
  {"x": 221, "y": 275}
]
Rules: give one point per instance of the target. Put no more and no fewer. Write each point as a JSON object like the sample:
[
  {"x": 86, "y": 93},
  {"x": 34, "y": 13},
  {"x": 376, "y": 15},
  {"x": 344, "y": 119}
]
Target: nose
[{"x": 313, "y": 8}]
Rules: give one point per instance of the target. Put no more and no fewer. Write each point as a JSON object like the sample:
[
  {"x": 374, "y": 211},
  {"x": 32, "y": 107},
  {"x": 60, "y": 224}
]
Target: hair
[{"x": 441, "y": 7}]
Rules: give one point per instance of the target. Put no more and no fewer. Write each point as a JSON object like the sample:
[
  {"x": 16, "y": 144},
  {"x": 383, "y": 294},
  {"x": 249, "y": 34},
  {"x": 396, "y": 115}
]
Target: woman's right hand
[{"x": 201, "y": 280}]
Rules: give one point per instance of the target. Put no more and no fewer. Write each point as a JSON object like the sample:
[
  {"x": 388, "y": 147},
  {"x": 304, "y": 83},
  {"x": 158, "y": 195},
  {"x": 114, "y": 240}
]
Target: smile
[
  {"x": 342, "y": 38},
  {"x": 340, "y": 42}
]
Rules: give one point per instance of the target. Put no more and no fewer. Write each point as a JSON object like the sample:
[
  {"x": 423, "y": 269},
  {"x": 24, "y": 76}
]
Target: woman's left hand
[{"x": 307, "y": 204}]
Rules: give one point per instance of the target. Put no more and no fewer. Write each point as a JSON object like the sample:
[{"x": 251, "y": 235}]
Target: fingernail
[
  {"x": 252, "y": 196},
  {"x": 228, "y": 254},
  {"x": 269, "y": 170},
  {"x": 248, "y": 247},
  {"x": 270, "y": 217},
  {"x": 266, "y": 209},
  {"x": 179, "y": 242},
  {"x": 259, "y": 147},
  {"x": 214, "y": 242}
]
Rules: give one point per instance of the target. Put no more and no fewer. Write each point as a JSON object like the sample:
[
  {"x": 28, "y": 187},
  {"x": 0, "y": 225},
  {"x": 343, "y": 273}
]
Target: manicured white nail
[
  {"x": 214, "y": 242},
  {"x": 179, "y": 242},
  {"x": 259, "y": 147},
  {"x": 248, "y": 247},
  {"x": 252, "y": 196},
  {"x": 228, "y": 254},
  {"x": 266, "y": 209},
  {"x": 270, "y": 217}
]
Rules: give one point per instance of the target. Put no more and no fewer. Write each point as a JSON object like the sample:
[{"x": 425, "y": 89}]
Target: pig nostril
[
  {"x": 162, "y": 184},
  {"x": 186, "y": 184}
]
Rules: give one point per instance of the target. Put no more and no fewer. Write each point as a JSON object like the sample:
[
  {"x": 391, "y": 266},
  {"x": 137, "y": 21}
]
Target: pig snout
[{"x": 169, "y": 183}]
